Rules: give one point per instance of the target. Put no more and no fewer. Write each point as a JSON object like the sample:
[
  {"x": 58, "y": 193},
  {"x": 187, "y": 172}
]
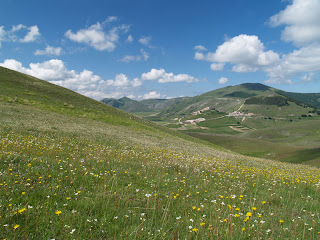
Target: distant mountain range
[
  {"x": 250, "y": 118},
  {"x": 147, "y": 105},
  {"x": 225, "y": 99}
]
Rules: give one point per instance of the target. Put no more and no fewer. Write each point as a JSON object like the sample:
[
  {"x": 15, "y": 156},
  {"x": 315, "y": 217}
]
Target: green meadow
[{"x": 74, "y": 168}]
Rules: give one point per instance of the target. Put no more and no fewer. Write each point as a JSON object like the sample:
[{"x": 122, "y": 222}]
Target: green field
[{"x": 74, "y": 168}]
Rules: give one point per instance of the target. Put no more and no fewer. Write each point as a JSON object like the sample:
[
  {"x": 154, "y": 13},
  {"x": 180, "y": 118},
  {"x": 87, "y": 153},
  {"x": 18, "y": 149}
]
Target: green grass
[
  {"x": 292, "y": 111},
  {"x": 77, "y": 187},
  {"x": 66, "y": 176},
  {"x": 263, "y": 149},
  {"x": 299, "y": 133}
]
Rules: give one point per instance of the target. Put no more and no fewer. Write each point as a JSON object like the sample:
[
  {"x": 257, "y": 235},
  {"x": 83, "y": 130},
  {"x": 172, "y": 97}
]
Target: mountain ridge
[{"x": 222, "y": 99}]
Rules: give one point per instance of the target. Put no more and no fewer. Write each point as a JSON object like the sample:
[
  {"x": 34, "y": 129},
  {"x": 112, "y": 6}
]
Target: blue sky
[{"x": 161, "y": 49}]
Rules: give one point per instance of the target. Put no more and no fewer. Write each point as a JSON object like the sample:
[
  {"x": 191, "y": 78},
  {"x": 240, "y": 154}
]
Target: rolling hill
[
  {"x": 229, "y": 99},
  {"x": 147, "y": 105},
  {"x": 126, "y": 104},
  {"x": 268, "y": 122},
  {"x": 75, "y": 168}
]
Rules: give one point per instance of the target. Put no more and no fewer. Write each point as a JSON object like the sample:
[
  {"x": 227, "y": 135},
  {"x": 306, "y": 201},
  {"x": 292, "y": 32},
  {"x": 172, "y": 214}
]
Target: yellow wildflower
[
  {"x": 58, "y": 212},
  {"x": 22, "y": 210}
]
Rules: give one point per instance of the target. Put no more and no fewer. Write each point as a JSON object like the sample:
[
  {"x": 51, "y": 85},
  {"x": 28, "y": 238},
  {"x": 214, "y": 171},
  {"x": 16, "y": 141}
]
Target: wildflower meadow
[{"x": 55, "y": 186}]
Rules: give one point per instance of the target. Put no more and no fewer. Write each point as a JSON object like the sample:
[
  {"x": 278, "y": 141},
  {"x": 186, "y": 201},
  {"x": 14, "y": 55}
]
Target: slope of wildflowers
[
  {"x": 65, "y": 177},
  {"x": 55, "y": 186}
]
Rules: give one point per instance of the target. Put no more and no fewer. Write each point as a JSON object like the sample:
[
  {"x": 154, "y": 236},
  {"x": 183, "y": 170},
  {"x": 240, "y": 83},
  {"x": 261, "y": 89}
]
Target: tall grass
[{"x": 71, "y": 187}]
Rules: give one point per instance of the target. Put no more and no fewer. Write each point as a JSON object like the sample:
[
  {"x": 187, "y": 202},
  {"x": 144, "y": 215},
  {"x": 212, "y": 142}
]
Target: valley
[
  {"x": 155, "y": 120},
  {"x": 251, "y": 119}
]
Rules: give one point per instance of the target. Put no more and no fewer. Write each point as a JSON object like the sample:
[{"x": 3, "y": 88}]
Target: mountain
[
  {"x": 74, "y": 168},
  {"x": 248, "y": 96},
  {"x": 159, "y": 104},
  {"x": 251, "y": 119},
  {"x": 147, "y": 105},
  {"x": 311, "y": 99},
  {"x": 126, "y": 104}
]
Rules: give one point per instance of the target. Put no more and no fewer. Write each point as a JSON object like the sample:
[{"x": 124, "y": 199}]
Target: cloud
[
  {"x": 154, "y": 74},
  {"x": 49, "y": 50},
  {"x": 144, "y": 54},
  {"x": 2, "y": 34},
  {"x": 89, "y": 84},
  {"x": 303, "y": 60},
  {"x": 130, "y": 58},
  {"x": 246, "y": 53},
  {"x": 95, "y": 36},
  {"x": 11, "y": 35},
  {"x": 111, "y": 19},
  {"x": 121, "y": 80},
  {"x": 200, "y": 48},
  {"x": 17, "y": 28},
  {"x": 84, "y": 82},
  {"x": 199, "y": 56},
  {"x": 145, "y": 41},
  {"x": 302, "y": 20},
  {"x": 150, "y": 95},
  {"x": 308, "y": 77},
  {"x": 130, "y": 38},
  {"x": 223, "y": 80},
  {"x": 162, "y": 76},
  {"x": 217, "y": 66},
  {"x": 32, "y": 35}
]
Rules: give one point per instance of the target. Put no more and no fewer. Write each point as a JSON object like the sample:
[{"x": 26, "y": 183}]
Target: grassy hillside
[
  {"x": 229, "y": 99},
  {"x": 159, "y": 104},
  {"x": 126, "y": 104},
  {"x": 74, "y": 168},
  {"x": 312, "y": 99},
  {"x": 143, "y": 106},
  {"x": 259, "y": 109}
]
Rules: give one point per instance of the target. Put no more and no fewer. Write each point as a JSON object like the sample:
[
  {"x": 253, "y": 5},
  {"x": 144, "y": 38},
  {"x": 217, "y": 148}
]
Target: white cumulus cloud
[
  {"x": 162, "y": 76},
  {"x": 154, "y": 74},
  {"x": 96, "y": 37},
  {"x": 49, "y": 50},
  {"x": 246, "y": 53},
  {"x": 150, "y": 95},
  {"x": 89, "y": 84},
  {"x": 111, "y": 19},
  {"x": 121, "y": 80},
  {"x": 32, "y": 35},
  {"x": 217, "y": 66},
  {"x": 145, "y": 41},
  {"x": 84, "y": 82},
  {"x": 200, "y": 48},
  {"x": 223, "y": 80},
  {"x": 133, "y": 58},
  {"x": 14, "y": 35},
  {"x": 130, "y": 38},
  {"x": 303, "y": 60},
  {"x": 302, "y": 20}
]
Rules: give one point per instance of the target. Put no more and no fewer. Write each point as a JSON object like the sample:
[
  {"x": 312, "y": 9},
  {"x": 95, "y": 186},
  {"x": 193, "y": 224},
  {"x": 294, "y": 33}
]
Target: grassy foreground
[
  {"x": 68, "y": 177},
  {"x": 69, "y": 187}
]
